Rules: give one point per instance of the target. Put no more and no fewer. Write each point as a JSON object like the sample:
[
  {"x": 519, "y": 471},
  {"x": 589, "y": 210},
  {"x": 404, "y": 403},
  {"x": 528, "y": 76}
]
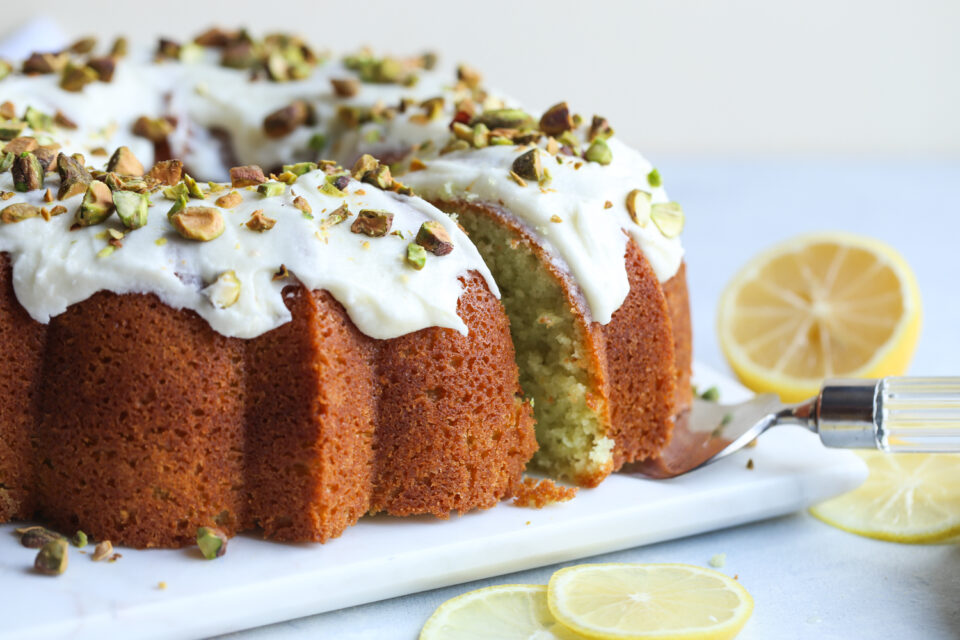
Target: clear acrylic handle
[{"x": 918, "y": 415}]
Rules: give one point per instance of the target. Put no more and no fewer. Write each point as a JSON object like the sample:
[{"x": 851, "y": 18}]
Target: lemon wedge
[
  {"x": 507, "y": 612},
  {"x": 663, "y": 601},
  {"x": 908, "y": 497},
  {"x": 819, "y": 306}
]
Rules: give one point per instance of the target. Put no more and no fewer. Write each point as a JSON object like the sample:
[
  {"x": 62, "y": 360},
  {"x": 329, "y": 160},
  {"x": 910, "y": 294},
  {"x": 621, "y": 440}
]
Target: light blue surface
[{"x": 809, "y": 580}]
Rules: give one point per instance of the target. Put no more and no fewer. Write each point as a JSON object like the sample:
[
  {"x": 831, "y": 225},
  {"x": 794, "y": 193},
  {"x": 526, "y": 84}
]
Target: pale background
[
  {"x": 678, "y": 76},
  {"x": 767, "y": 119}
]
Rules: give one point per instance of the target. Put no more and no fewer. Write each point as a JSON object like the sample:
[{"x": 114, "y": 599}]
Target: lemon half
[
  {"x": 507, "y": 612},
  {"x": 663, "y": 601},
  {"x": 819, "y": 306}
]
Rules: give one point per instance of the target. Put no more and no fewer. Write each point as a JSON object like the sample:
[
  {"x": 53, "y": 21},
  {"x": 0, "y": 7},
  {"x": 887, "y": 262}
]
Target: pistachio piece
[
  {"x": 153, "y": 129},
  {"x": 259, "y": 222},
  {"x": 337, "y": 216},
  {"x": 97, "y": 204},
  {"x": 76, "y": 77},
  {"x": 599, "y": 152},
  {"x": 416, "y": 256},
  {"x": 372, "y": 222},
  {"x": 504, "y": 119},
  {"x": 599, "y": 128},
  {"x": 638, "y": 205},
  {"x": 61, "y": 120},
  {"x": 125, "y": 163},
  {"x": 345, "y": 87},
  {"x": 79, "y": 539},
  {"x": 317, "y": 142},
  {"x": 653, "y": 179},
  {"x": 6, "y": 161},
  {"x": 132, "y": 208},
  {"x": 271, "y": 189},
  {"x": 528, "y": 165},
  {"x": 285, "y": 120},
  {"x": 469, "y": 76},
  {"x": 300, "y": 168},
  {"x": 669, "y": 218},
  {"x": 102, "y": 551},
  {"x": 168, "y": 172},
  {"x": 434, "y": 238},
  {"x": 229, "y": 200},
  {"x": 556, "y": 120},
  {"x": 193, "y": 189},
  {"x": 21, "y": 145},
  {"x": 225, "y": 291},
  {"x": 36, "y": 537},
  {"x": 52, "y": 558},
  {"x": 246, "y": 176},
  {"x": 329, "y": 189},
  {"x": 364, "y": 165},
  {"x": 74, "y": 177},
  {"x": 10, "y": 129},
  {"x": 301, "y": 203},
  {"x": 38, "y": 120},
  {"x": 41, "y": 63},
  {"x": 83, "y": 45},
  {"x": 380, "y": 177},
  {"x": 47, "y": 155},
  {"x": 104, "y": 67},
  {"x": 198, "y": 223},
  {"x": 27, "y": 172},
  {"x": 212, "y": 542}
]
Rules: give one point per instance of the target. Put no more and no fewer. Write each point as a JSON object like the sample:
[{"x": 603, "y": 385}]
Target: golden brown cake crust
[
  {"x": 21, "y": 350},
  {"x": 453, "y": 433}
]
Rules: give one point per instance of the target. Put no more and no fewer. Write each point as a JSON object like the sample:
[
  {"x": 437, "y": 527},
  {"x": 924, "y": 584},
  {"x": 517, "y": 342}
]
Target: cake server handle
[{"x": 896, "y": 415}]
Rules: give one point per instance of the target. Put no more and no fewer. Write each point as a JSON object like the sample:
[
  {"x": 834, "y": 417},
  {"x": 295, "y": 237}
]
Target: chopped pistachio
[
  {"x": 416, "y": 256},
  {"x": 599, "y": 128},
  {"x": 180, "y": 203},
  {"x": 104, "y": 67},
  {"x": 364, "y": 165},
  {"x": 153, "y": 129},
  {"x": 61, "y": 120},
  {"x": 285, "y": 120},
  {"x": 125, "y": 163},
  {"x": 301, "y": 203},
  {"x": 669, "y": 218},
  {"x": 469, "y": 76},
  {"x": 97, "y": 204},
  {"x": 212, "y": 542},
  {"x": 505, "y": 119},
  {"x": 300, "y": 168},
  {"x": 229, "y": 200},
  {"x": 480, "y": 136},
  {"x": 119, "y": 47},
  {"x": 168, "y": 172},
  {"x": 329, "y": 189},
  {"x": 27, "y": 172},
  {"x": 372, "y": 222},
  {"x": 528, "y": 165},
  {"x": 434, "y": 238},
  {"x": 41, "y": 63},
  {"x": 47, "y": 155},
  {"x": 198, "y": 223},
  {"x": 317, "y": 142},
  {"x": 345, "y": 87},
  {"x": 556, "y": 218},
  {"x": 556, "y": 120},
  {"x": 10, "y": 129},
  {"x": 225, "y": 291},
  {"x": 638, "y": 205},
  {"x": 336, "y": 216},
  {"x": 380, "y": 177},
  {"x": 20, "y": 145},
  {"x": 38, "y": 120},
  {"x": 8, "y": 111},
  {"x": 520, "y": 181},
  {"x": 193, "y": 189},
  {"x": 246, "y": 176},
  {"x": 79, "y": 539},
  {"x": 259, "y": 222},
  {"x": 599, "y": 152},
  {"x": 52, "y": 558},
  {"x": 271, "y": 189},
  {"x": 281, "y": 273},
  {"x": 74, "y": 177},
  {"x": 102, "y": 551},
  {"x": 6, "y": 160},
  {"x": 653, "y": 179},
  {"x": 132, "y": 208},
  {"x": 36, "y": 537},
  {"x": 177, "y": 192},
  {"x": 76, "y": 77},
  {"x": 711, "y": 395}
]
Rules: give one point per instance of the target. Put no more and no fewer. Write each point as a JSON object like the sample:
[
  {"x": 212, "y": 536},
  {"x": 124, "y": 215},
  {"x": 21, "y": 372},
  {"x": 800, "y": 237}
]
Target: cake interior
[{"x": 550, "y": 349}]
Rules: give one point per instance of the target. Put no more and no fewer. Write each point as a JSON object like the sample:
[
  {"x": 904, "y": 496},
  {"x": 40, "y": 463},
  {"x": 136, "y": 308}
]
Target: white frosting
[{"x": 54, "y": 268}]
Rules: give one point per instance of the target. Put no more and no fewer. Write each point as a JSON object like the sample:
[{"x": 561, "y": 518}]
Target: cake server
[{"x": 896, "y": 415}]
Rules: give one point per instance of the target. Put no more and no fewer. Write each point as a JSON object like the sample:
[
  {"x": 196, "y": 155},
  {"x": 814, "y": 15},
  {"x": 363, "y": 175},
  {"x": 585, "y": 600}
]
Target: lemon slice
[
  {"x": 908, "y": 497},
  {"x": 508, "y": 612},
  {"x": 663, "y": 601},
  {"x": 819, "y": 306}
]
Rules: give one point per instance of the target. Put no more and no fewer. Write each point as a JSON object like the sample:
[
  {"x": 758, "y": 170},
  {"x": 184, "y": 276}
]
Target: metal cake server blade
[{"x": 896, "y": 415}]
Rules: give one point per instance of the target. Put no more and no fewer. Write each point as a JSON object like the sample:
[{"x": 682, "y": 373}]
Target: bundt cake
[{"x": 293, "y": 345}]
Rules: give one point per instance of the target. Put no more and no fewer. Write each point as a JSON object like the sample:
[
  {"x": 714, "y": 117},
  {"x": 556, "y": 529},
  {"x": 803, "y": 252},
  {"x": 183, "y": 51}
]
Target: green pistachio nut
[
  {"x": 669, "y": 218},
  {"x": 416, "y": 256},
  {"x": 52, "y": 558},
  {"x": 132, "y": 208},
  {"x": 599, "y": 152},
  {"x": 97, "y": 204},
  {"x": 212, "y": 542}
]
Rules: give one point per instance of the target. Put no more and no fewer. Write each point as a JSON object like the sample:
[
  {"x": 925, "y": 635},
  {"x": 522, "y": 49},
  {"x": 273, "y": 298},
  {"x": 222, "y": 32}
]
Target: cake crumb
[
  {"x": 537, "y": 494},
  {"x": 718, "y": 560}
]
